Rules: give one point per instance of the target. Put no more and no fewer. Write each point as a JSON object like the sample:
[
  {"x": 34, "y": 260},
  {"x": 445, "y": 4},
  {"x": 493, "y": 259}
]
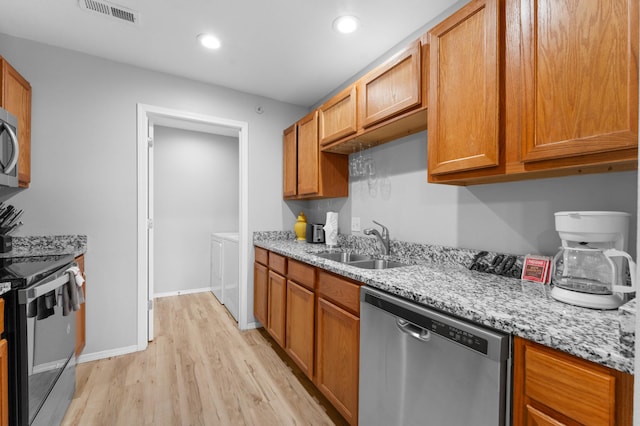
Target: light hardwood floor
[{"x": 199, "y": 370}]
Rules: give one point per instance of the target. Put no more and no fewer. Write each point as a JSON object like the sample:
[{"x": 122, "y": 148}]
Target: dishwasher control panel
[{"x": 461, "y": 336}]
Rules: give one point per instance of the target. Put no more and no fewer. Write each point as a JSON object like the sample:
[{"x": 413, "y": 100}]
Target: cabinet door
[
  {"x": 338, "y": 117},
  {"x": 464, "y": 90},
  {"x": 337, "y": 352},
  {"x": 579, "y": 77},
  {"x": 290, "y": 151},
  {"x": 4, "y": 384},
  {"x": 81, "y": 314},
  {"x": 300, "y": 322},
  {"x": 391, "y": 88},
  {"x": 260, "y": 292},
  {"x": 276, "y": 312},
  {"x": 538, "y": 418},
  {"x": 308, "y": 151},
  {"x": 15, "y": 97}
]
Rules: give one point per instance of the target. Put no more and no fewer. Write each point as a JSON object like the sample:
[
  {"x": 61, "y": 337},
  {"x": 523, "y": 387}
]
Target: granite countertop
[
  {"x": 439, "y": 277},
  {"x": 47, "y": 246}
]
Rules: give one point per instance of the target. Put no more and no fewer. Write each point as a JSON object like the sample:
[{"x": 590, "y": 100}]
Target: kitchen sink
[
  {"x": 377, "y": 264},
  {"x": 344, "y": 257},
  {"x": 361, "y": 260}
]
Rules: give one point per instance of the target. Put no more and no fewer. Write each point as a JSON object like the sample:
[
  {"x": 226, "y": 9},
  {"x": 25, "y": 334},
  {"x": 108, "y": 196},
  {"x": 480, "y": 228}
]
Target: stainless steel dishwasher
[{"x": 419, "y": 366}]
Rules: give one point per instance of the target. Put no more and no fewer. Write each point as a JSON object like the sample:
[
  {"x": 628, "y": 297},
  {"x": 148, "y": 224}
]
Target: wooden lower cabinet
[
  {"x": 315, "y": 317},
  {"x": 300, "y": 326},
  {"x": 276, "y": 313},
  {"x": 81, "y": 314},
  {"x": 554, "y": 388},
  {"x": 260, "y": 292},
  {"x": 337, "y": 357}
]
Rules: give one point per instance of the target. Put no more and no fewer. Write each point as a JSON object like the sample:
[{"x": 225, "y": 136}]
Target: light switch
[{"x": 355, "y": 224}]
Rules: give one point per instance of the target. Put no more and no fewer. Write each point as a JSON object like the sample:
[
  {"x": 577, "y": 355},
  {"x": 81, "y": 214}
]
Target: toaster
[{"x": 315, "y": 233}]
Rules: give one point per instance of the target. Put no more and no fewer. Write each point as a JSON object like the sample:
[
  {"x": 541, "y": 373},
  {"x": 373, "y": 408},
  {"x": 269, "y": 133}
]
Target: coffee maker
[{"x": 590, "y": 270}]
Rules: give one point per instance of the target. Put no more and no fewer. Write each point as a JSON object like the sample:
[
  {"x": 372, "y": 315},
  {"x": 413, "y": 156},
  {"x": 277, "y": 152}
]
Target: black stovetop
[{"x": 24, "y": 271}]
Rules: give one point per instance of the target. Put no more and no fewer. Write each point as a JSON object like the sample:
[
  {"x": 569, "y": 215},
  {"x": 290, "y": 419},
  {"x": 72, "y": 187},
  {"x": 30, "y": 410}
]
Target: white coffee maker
[{"x": 590, "y": 269}]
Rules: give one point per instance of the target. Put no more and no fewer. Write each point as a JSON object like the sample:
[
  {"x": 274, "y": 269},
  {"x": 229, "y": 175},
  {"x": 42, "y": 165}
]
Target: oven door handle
[
  {"x": 16, "y": 149},
  {"x": 35, "y": 292}
]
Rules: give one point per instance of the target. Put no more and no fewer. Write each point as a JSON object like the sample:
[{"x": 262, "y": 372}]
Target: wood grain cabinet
[
  {"x": 315, "y": 317},
  {"x": 4, "y": 373},
  {"x": 260, "y": 285},
  {"x": 277, "y": 298},
  {"x": 338, "y": 116},
  {"x": 338, "y": 343},
  {"x": 522, "y": 89},
  {"x": 391, "y": 101},
  {"x": 464, "y": 90},
  {"x": 290, "y": 162},
  {"x": 81, "y": 314},
  {"x": 554, "y": 388},
  {"x": 15, "y": 97},
  {"x": 391, "y": 88},
  {"x": 318, "y": 174}
]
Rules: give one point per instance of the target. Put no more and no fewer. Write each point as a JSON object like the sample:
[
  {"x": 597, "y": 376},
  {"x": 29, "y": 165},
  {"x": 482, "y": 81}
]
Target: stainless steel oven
[{"x": 41, "y": 336}]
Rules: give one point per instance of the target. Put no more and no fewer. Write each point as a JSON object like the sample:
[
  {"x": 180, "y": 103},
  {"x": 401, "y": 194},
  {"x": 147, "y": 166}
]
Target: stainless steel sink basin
[
  {"x": 344, "y": 257},
  {"x": 377, "y": 264}
]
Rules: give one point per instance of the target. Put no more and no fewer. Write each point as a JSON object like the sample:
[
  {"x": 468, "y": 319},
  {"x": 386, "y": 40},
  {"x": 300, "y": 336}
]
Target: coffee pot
[{"x": 590, "y": 270}]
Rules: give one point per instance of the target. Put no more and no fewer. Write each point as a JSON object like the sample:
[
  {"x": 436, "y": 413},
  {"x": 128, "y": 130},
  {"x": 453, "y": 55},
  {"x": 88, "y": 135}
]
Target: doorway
[{"x": 147, "y": 117}]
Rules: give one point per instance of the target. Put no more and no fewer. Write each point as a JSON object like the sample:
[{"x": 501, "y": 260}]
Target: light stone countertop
[{"x": 439, "y": 277}]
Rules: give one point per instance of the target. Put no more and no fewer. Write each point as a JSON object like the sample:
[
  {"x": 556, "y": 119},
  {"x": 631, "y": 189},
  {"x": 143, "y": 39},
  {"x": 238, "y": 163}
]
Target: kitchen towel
[{"x": 331, "y": 229}]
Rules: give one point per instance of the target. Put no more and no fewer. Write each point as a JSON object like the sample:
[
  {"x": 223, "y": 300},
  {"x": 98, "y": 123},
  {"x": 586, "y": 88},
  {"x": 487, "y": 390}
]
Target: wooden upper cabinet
[
  {"x": 308, "y": 151},
  {"x": 15, "y": 97},
  {"x": 464, "y": 90},
  {"x": 338, "y": 116},
  {"x": 318, "y": 174},
  {"x": 290, "y": 161},
  {"x": 391, "y": 88},
  {"x": 579, "y": 77}
]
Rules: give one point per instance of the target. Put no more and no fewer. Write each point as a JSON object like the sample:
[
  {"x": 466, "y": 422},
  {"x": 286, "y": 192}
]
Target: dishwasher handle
[{"x": 413, "y": 330}]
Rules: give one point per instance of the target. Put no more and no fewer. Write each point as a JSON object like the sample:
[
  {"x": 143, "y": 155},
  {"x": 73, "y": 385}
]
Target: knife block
[{"x": 6, "y": 243}]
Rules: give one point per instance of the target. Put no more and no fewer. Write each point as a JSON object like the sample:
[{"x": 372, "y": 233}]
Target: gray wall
[
  {"x": 514, "y": 217},
  {"x": 84, "y": 165},
  {"x": 196, "y": 192}
]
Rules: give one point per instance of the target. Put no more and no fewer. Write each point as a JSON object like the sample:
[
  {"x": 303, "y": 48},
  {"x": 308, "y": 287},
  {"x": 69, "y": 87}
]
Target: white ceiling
[{"x": 281, "y": 49}]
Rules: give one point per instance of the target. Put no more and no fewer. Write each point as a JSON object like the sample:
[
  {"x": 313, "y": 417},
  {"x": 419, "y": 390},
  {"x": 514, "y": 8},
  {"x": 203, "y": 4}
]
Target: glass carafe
[{"x": 592, "y": 270}]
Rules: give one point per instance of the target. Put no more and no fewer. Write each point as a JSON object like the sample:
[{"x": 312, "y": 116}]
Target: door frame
[{"x": 202, "y": 123}]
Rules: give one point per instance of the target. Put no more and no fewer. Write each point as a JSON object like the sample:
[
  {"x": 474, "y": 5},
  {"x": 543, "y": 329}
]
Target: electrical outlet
[{"x": 355, "y": 224}]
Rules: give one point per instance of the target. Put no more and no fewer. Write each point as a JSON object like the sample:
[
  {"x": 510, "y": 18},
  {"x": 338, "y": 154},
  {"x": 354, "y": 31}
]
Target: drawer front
[
  {"x": 301, "y": 273},
  {"x": 343, "y": 293},
  {"x": 571, "y": 387},
  {"x": 262, "y": 256},
  {"x": 278, "y": 263}
]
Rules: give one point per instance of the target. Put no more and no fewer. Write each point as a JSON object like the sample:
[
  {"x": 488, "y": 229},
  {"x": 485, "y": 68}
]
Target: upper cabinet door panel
[
  {"x": 338, "y": 117},
  {"x": 308, "y": 152},
  {"x": 391, "y": 88},
  {"x": 464, "y": 90},
  {"x": 290, "y": 171},
  {"x": 580, "y": 74}
]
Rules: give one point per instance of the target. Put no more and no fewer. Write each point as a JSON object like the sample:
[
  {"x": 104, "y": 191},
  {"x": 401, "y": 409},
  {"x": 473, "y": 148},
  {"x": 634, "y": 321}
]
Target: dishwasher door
[{"x": 419, "y": 366}]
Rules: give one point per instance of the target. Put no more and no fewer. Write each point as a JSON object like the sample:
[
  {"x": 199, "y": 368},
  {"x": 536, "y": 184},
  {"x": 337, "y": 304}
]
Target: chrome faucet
[{"x": 383, "y": 240}]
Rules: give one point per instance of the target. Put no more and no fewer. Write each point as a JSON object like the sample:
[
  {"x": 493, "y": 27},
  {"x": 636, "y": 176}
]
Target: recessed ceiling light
[
  {"x": 209, "y": 41},
  {"x": 345, "y": 24}
]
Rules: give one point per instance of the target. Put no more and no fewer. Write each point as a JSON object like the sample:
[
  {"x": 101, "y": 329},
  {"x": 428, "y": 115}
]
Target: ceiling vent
[{"x": 108, "y": 9}]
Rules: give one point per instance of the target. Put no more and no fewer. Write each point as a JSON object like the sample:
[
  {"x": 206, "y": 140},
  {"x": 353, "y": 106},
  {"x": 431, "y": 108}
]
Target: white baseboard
[
  {"x": 179, "y": 292},
  {"x": 94, "y": 356}
]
